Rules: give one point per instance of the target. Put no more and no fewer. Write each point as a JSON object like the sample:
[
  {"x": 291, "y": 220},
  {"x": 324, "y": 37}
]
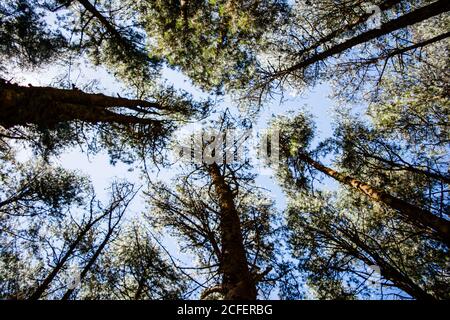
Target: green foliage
[
  {"x": 296, "y": 135},
  {"x": 133, "y": 267},
  {"x": 190, "y": 211},
  {"x": 25, "y": 37},
  {"x": 336, "y": 236},
  {"x": 325, "y": 234},
  {"x": 213, "y": 42},
  {"x": 41, "y": 189},
  {"x": 51, "y": 219}
]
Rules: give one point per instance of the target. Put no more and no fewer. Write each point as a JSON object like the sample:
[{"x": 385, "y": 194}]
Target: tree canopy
[{"x": 231, "y": 191}]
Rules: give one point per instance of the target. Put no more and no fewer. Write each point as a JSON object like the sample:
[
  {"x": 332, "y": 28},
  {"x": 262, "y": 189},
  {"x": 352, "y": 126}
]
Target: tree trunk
[
  {"x": 237, "y": 281},
  {"x": 408, "y": 19},
  {"x": 439, "y": 226},
  {"x": 125, "y": 44},
  {"x": 44, "y": 286},
  {"x": 47, "y": 106},
  {"x": 108, "y": 26}
]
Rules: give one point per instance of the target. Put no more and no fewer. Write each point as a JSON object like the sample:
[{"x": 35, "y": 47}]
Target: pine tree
[{"x": 219, "y": 212}]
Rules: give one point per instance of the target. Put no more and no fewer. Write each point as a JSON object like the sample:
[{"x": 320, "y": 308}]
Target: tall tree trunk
[
  {"x": 125, "y": 44},
  {"x": 425, "y": 219},
  {"x": 47, "y": 106},
  {"x": 108, "y": 26},
  {"x": 237, "y": 282},
  {"x": 408, "y": 19}
]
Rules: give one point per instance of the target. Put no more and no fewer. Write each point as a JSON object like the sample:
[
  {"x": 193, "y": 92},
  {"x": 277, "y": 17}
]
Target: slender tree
[
  {"x": 35, "y": 199},
  {"x": 346, "y": 253},
  {"x": 133, "y": 267},
  {"x": 413, "y": 17},
  {"x": 229, "y": 228},
  {"x": 317, "y": 36},
  {"x": 112, "y": 224},
  {"x": 121, "y": 198},
  {"x": 296, "y": 155}
]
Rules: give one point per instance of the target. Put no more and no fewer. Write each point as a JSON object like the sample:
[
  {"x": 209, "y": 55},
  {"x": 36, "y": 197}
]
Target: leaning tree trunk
[
  {"x": 357, "y": 248},
  {"x": 385, "y": 5},
  {"x": 108, "y": 26},
  {"x": 45, "y": 284},
  {"x": 237, "y": 281},
  {"x": 46, "y": 106},
  {"x": 425, "y": 219},
  {"x": 126, "y": 45},
  {"x": 416, "y": 16}
]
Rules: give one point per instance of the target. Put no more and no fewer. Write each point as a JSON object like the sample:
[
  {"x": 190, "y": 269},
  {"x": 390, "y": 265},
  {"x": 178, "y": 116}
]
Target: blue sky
[
  {"x": 314, "y": 100},
  {"x": 102, "y": 173}
]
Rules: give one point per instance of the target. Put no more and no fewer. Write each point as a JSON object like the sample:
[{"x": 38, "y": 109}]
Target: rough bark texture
[
  {"x": 439, "y": 226},
  {"x": 237, "y": 283},
  {"x": 408, "y": 19},
  {"x": 48, "y": 106}
]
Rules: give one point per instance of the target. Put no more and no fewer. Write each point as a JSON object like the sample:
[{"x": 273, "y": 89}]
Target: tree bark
[
  {"x": 48, "y": 106},
  {"x": 425, "y": 219},
  {"x": 237, "y": 281},
  {"x": 408, "y": 19}
]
